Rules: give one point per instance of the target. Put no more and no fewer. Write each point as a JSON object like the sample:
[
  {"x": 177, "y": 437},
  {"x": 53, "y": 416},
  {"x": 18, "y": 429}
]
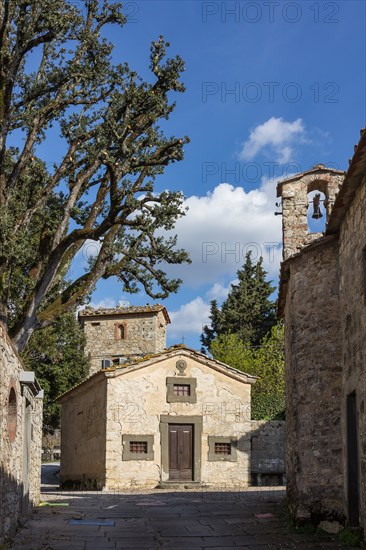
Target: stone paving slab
[{"x": 166, "y": 520}]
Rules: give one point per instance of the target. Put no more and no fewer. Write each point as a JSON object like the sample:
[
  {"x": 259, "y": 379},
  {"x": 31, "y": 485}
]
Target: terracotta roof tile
[{"x": 149, "y": 308}]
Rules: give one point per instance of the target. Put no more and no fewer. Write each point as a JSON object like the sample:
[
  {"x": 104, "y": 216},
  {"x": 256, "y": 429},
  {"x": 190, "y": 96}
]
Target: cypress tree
[{"x": 248, "y": 311}]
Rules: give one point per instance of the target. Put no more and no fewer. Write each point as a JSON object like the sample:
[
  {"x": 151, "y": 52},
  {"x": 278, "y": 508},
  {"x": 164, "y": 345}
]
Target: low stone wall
[
  {"x": 21, "y": 434},
  {"x": 268, "y": 452}
]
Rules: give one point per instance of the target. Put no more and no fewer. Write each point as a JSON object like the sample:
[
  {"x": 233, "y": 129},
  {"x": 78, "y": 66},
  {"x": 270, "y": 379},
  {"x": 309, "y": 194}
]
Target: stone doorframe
[{"x": 196, "y": 421}]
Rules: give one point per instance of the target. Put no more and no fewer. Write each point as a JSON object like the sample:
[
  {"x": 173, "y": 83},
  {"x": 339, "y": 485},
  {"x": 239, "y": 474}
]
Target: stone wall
[
  {"x": 352, "y": 263},
  {"x": 145, "y": 333},
  {"x": 268, "y": 452},
  {"x": 21, "y": 435},
  {"x": 314, "y": 383},
  {"x": 83, "y": 440}
]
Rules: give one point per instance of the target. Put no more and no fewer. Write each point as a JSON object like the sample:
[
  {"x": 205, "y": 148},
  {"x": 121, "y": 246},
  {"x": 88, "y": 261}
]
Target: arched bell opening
[{"x": 316, "y": 213}]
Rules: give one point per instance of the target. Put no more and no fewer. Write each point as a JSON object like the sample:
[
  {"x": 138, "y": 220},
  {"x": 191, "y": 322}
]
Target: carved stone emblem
[{"x": 181, "y": 366}]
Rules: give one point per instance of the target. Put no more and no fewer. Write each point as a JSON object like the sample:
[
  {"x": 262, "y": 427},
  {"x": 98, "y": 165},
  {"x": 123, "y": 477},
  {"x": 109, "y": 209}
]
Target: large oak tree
[{"x": 57, "y": 76}]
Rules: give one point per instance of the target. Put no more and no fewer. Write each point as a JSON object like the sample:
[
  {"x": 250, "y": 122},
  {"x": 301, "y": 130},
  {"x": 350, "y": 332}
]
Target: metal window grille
[
  {"x": 222, "y": 448},
  {"x": 138, "y": 447},
  {"x": 182, "y": 389}
]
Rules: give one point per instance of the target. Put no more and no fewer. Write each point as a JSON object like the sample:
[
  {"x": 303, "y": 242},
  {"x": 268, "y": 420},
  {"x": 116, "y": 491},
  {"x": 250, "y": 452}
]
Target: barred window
[
  {"x": 222, "y": 449},
  {"x": 182, "y": 389},
  {"x": 139, "y": 447}
]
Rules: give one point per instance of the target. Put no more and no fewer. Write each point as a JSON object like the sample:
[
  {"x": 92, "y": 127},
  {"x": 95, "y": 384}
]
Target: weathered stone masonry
[
  {"x": 21, "y": 435},
  {"x": 323, "y": 300},
  {"x": 313, "y": 384},
  {"x": 122, "y": 333}
]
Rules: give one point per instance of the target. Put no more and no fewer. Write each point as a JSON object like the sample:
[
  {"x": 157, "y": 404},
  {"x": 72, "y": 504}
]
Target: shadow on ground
[{"x": 249, "y": 519}]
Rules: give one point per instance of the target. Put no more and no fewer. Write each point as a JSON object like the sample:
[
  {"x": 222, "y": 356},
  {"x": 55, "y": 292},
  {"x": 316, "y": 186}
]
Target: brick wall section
[
  {"x": 13, "y": 471},
  {"x": 313, "y": 383},
  {"x": 353, "y": 307}
]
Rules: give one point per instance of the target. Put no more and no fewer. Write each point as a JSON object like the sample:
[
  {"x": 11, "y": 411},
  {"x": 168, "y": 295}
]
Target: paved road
[
  {"x": 50, "y": 477},
  {"x": 250, "y": 520}
]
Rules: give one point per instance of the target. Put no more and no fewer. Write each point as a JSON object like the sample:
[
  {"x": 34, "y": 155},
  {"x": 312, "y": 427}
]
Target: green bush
[{"x": 268, "y": 407}]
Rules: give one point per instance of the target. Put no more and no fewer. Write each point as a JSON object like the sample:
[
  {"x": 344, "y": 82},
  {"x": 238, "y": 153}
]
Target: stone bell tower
[{"x": 294, "y": 192}]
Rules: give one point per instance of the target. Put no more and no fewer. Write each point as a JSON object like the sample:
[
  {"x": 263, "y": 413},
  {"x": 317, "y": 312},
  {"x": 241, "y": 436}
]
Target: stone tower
[
  {"x": 294, "y": 192},
  {"x": 115, "y": 336}
]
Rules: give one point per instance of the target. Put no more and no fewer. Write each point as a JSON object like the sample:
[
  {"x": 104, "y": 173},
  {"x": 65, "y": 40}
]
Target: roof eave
[{"x": 352, "y": 180}]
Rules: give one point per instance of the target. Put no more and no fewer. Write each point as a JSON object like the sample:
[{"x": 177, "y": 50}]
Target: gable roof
[
  {"x": 129, "y": 310},
  {"x": 352, "y": 180},
  {"x": 318, "y": 169},
  {"x": 175, "y": 351}
]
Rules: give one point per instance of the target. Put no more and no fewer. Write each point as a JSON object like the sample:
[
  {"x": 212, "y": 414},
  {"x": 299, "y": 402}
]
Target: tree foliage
[
  {"x": 57, "y": 77},
  {"x": 56, "y": 355},
  {"x": 247, "y": 312},
  {"x": 265, "y": 361}
]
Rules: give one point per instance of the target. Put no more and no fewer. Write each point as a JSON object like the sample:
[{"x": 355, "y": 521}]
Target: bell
[{"x": 316, "y": 205}]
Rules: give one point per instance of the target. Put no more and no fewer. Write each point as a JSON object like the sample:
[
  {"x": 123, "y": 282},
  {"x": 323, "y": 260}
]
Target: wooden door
[
  {"x": 353, "y": 462},
  {"x": 180, "y": 452}
]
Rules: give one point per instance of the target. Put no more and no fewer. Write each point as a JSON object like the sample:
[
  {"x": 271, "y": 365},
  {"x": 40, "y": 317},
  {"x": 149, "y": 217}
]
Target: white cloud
[
  {"x": 219, "y": 291},
  {"x": 104, "y": 303},
  {"x": 277, "y": 136},
  {"x": 189, "y": 318},
  {"x": 220, "y": 227}
]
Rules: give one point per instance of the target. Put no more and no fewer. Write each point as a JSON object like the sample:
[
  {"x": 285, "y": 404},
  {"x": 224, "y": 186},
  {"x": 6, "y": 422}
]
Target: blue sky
[{"x": 272, "y": 88}]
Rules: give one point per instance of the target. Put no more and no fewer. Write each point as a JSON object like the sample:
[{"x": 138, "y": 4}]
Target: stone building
[
  {"x": 171, "y": 415},
  {"x": 115, "y": 335},
  {"x": 323, "y": 301},
  {"x": 21, "y": 400}
]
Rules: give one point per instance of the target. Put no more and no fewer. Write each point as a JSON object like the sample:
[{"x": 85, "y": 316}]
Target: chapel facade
[{"x": 158, "y": 416}]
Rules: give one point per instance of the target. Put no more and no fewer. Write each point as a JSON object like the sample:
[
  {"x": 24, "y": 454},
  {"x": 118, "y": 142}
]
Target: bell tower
[{"x": 295, "y": 203}]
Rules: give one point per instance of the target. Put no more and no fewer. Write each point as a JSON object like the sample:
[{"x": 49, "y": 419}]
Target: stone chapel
[{"x": 150, "y": 416}]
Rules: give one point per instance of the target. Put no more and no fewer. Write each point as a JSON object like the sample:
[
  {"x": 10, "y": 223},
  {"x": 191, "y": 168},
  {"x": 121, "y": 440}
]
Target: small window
[
  {"x": 182, "y": 389},
  {"x": 95, "y": 324},
  {"x": 120, "y": 331},
  {"x": 12, "y": 414},
  {"x": 222, "y": 448},
  {"x": 138, "y": 447}
]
